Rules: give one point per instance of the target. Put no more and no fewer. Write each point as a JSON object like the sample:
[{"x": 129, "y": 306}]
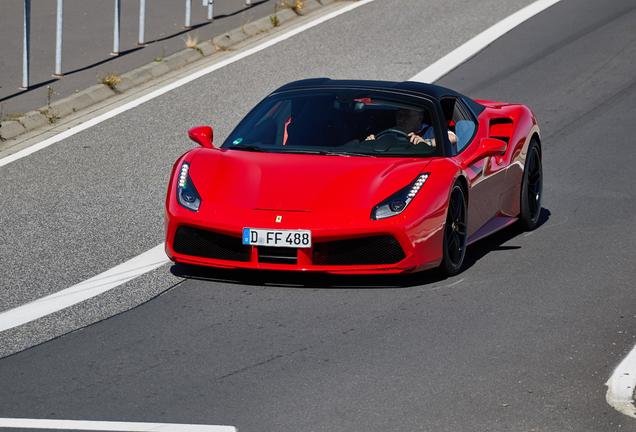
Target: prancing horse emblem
[{"x": 279, "y": 219}]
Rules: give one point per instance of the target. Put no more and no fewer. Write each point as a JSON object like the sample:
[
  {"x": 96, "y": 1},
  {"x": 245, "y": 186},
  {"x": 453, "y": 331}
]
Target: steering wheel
[{"x": 391, "y": 131}]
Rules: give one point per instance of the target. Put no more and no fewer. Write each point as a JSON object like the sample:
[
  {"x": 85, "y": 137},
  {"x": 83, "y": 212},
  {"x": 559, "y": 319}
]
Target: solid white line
[
  {"x": 92, "y": 287},
  {"x": 450, "y": 285},
  {"x": 139, "y": 265},
  {"x": 459, "y": 55},
  {"x": 178, "y": 83},
  {"x": 20, "y": 423},
  {"x": 621, "y": 387}
]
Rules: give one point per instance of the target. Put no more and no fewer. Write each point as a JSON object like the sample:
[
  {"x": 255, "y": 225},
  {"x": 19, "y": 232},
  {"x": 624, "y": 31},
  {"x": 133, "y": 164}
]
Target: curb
[{"x": 50, "y": 114}]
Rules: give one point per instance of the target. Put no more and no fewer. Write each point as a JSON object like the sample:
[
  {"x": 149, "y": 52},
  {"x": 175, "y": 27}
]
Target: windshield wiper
[
  {"x": 303, "y": 151},
  {"x": 297, "y": 151},
  {"x": 326, "y": 152},
  {"x": 346, "y": 153},
  {"x": 247, "y": 148}
]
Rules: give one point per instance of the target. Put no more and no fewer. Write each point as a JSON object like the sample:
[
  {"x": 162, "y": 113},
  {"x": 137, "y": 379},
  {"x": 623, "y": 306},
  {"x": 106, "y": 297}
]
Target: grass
[
  {"x": 191, "y": 41},
  {"x": 52, "y": 118},
  {"x": 295, "y": 5},
  {"x": 48, "y": 113},
  {"x": 274, "y": 20},
  {"x": 12, "y": 116},
  {"x": 160, "y": 58},
  {"x": 298, "y": 6},
  {"x": 111, "y": 80}
]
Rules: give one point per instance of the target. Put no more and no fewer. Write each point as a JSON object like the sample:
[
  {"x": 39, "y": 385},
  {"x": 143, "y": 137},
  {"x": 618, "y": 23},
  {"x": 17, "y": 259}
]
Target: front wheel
[
  {"x": 531, "y": 188},
  {"x": 455, "y": 233}
]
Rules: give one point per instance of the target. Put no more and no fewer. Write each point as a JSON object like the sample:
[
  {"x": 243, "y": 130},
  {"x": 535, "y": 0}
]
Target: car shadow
[
  {"x": 474, "y": 253},
  {"x": 495, "y": 242}
]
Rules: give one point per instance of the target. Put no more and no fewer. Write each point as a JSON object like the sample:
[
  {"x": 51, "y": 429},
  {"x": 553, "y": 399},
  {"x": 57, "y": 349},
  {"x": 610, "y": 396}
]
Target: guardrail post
[
  {"x": 142, "y": 22},
  {"x": 26, "y": 44},
  {"x": 116, "y": 22},
  {"x": 188, "y": 14},
  {"x": 211, "y": 10},
  {"x": 58, "y": 38},
  {"x": 248, "y": 2}
]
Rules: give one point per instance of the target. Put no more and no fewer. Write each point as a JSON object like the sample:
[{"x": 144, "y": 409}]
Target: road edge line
[
  {"x": 85, "y": 290},
  {"x": 90, "y": 425},
  {"x": 621, "y": 386},
  {"x": 478, "y": 43}
]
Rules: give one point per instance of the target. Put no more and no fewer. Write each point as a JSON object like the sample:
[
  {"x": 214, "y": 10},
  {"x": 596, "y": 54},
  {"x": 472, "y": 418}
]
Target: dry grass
[
  {"x": 295, "y": 5},
  {"x": 11, "y": 115},
  {"x": 111, "y": 80},
  {"x": 191, "y": 41}
]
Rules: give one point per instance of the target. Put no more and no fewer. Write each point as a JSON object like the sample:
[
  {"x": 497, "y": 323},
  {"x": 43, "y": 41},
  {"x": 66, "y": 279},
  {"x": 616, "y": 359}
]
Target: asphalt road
[
  {"x": 96, "y": 199},
  {"x": 88, "y": 41},
  {"x": 522, "y": 340}
]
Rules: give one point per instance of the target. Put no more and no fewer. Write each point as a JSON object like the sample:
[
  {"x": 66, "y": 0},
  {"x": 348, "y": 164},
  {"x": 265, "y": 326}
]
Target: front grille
[
  {"x": 383, "y": 249},
  {"x": 277, "y": 255},
  {"x": 210, "y": 244}
]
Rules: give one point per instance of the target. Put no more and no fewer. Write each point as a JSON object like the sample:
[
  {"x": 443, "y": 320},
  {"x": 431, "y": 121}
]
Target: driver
[{"x": 411, "y": 122}]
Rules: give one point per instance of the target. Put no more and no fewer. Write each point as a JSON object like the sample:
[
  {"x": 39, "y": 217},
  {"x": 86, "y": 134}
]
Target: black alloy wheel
[
  {"x": 531, "y": 188},
  {"x": 455, "y": 233}
]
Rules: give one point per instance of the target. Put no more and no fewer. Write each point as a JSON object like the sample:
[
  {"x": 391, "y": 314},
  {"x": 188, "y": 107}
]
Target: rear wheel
[
  {"x": 531, "y": 188},
  {"x": 455, "y": 233}
]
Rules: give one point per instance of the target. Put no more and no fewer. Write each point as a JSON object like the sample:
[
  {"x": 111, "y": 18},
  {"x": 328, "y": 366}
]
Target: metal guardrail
[{"x": 58, "y": 71}]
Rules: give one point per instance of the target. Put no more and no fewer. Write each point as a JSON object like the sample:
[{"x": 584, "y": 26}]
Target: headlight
[
  {"x": 187, "y": 194},
  {"x": 396, "y": 203}
]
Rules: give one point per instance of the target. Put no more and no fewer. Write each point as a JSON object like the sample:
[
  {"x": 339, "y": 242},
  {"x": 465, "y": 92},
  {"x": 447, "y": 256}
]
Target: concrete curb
[{"x": 50, "y": 114}]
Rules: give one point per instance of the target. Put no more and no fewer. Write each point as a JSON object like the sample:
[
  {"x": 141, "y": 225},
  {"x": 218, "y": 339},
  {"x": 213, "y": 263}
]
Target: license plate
[{"x": 277, "y": 238}]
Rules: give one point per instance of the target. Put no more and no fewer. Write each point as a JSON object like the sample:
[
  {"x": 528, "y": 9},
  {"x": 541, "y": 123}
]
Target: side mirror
[
  {"x": 202, "y": 135},
  {"x": 488, "y": 147}
]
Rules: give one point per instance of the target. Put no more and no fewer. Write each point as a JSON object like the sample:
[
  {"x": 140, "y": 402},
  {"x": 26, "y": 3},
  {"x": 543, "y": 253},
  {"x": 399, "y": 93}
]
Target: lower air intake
[
  {"x": 382, "y": 249},
  {"x": 210, "y": 244},
  {"x": 277, "y": 255}
]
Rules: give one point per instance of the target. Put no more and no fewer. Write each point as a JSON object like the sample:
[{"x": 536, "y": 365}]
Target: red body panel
[
  {"x": 495, "y": 182},
  {"x": 333, "y": 196}
]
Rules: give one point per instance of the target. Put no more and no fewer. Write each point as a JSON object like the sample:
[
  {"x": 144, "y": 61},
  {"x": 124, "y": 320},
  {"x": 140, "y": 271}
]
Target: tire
[
  {"x": 531, "y": 188},
  {"x": 455, "y": 233}
]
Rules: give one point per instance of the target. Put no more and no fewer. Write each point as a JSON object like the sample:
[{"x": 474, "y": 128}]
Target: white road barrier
[
  {"x": 621, "y": 387},
  {"x": 20, "y": 423}
]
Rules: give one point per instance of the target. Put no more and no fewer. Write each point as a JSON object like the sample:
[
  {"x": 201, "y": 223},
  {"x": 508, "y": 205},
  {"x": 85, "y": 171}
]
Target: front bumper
[{"x": 419, "y": 242}]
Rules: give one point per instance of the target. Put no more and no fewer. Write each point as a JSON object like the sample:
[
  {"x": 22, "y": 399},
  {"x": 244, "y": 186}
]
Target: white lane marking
[
  {"x": 450, "y": 285},
  {"x": 621, "y": 387},
  {"x": 92, "y": 287},
  {"x": 178, "y": 83},
  {"x": 20, "y": 423},
  {"x": 431, "y": 73},
  {"x": 459, "y": 55}
]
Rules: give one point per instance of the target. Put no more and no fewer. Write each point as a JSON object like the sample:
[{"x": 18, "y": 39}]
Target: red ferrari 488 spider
[{"x": 356, "y": 177}]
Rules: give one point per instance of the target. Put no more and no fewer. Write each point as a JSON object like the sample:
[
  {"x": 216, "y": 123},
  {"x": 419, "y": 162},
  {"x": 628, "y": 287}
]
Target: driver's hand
[
  {"x": 415, "y": 138},
  {"x": 370, "y": 137}
]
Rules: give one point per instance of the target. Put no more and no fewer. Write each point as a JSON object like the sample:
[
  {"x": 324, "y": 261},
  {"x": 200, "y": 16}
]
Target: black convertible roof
[{"x": 422, "y": 89}]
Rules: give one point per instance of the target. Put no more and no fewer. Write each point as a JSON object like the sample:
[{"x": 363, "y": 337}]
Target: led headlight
[
  {"x": 187, "y": 194},
  {"x": 396, "y": 203}
]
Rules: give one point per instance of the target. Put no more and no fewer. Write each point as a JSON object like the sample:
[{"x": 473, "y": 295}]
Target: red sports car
[{"x": 356, "y": 177}]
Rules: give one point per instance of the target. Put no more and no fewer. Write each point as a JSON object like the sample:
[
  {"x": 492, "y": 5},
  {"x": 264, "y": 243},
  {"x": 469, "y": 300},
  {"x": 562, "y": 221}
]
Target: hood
[{"x": 298, "y": 182}]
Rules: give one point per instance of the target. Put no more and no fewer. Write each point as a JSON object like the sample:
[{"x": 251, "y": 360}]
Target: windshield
[{"x": 344, "y": 122}]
